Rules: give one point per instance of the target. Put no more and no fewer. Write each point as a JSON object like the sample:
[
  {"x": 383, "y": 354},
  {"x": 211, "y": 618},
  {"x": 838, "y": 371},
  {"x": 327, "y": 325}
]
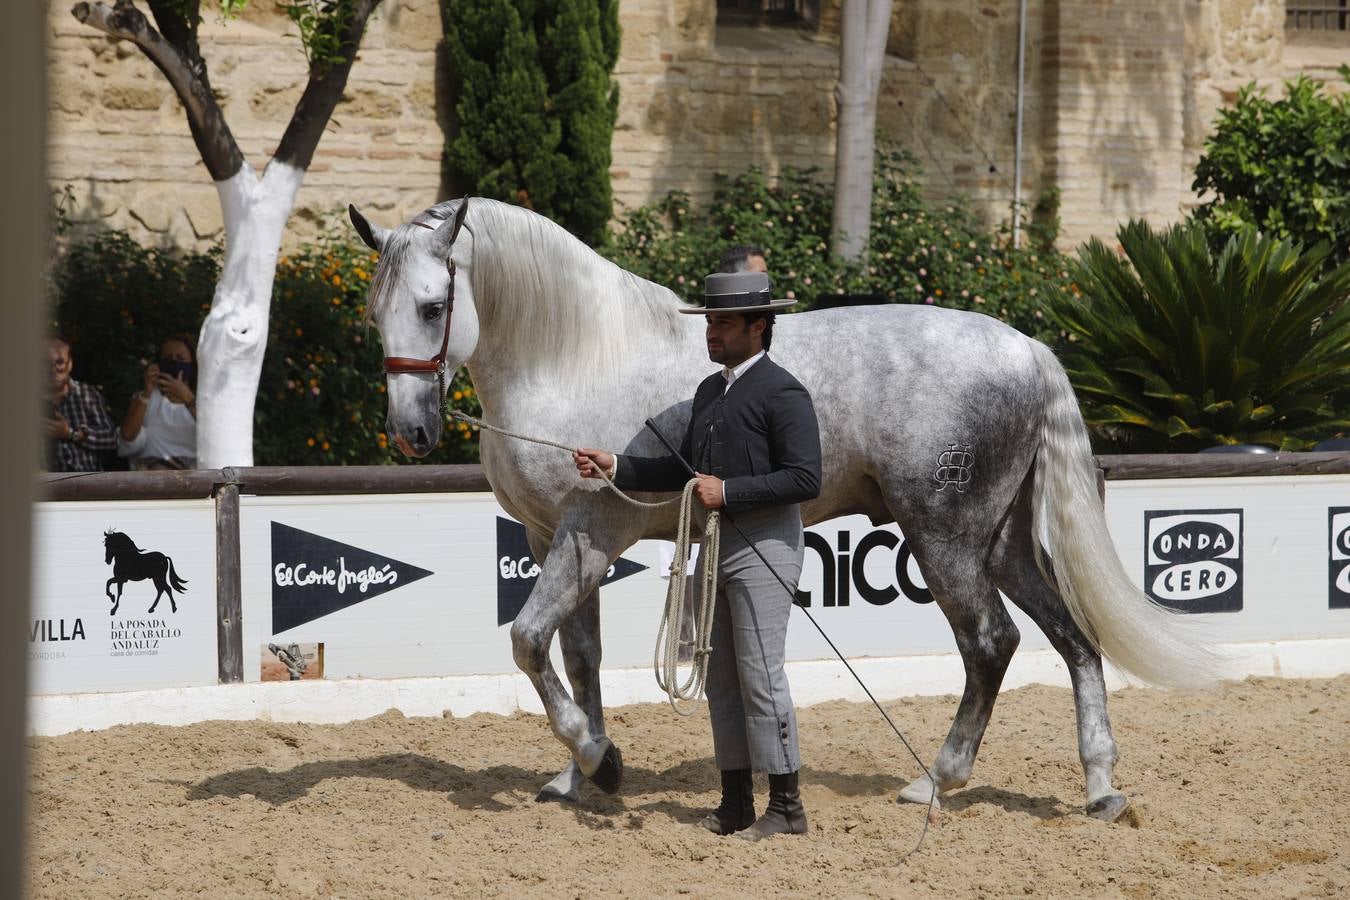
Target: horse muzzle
[{"x": 415, "y": 442}]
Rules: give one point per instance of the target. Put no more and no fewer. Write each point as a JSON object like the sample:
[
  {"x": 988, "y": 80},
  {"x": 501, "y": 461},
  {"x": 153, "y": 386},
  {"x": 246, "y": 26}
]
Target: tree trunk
[
  {"x": 234, "y": 335},
  {"x": 862, "y": 51}
]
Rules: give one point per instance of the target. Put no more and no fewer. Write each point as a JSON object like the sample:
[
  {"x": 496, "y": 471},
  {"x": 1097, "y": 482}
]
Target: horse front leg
[
  {"x": 579, "y": 636},
  {"x": 570, "y": 574}
]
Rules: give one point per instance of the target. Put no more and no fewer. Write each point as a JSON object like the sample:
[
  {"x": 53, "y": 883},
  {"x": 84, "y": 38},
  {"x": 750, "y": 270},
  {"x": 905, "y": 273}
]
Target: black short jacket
[{"x": 760, "y": 437}]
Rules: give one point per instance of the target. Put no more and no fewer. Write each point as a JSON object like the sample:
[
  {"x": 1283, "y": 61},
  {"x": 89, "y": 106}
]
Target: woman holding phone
[{"x": 159, "y": 430}]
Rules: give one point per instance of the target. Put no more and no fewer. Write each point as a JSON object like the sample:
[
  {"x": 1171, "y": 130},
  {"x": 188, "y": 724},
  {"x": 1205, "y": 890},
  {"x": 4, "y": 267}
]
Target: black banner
[
  {"x": 313, "y": 576},
  {"x": 517, "y": 570}
]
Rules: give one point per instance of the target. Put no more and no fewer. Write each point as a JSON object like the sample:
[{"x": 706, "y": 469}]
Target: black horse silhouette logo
[{"x": 131, "y": 563}]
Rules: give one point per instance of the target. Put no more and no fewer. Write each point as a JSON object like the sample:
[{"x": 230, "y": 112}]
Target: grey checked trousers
[{"x": 754, "y": 724}]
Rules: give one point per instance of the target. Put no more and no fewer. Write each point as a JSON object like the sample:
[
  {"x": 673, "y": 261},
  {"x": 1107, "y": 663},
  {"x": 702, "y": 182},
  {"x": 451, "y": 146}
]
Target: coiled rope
[{"x": 666, "y": 658}]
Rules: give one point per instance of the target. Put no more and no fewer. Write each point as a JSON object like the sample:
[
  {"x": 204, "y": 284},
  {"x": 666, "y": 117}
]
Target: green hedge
[
  {"x": 321, "y": 396},
  {"x": 919, "y": 251},
  {"x": 1281, "y": 165}
]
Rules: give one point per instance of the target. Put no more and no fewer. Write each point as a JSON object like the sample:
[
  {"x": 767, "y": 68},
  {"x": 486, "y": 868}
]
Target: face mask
[{"x": 173, "y": 368}]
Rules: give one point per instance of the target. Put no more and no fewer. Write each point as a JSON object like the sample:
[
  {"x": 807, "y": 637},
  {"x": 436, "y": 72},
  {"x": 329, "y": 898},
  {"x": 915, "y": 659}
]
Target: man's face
[
  {"x": 731, "y": 340},
  {"x": 755, "y": 263},
  {"x": 59, "y": 365}
]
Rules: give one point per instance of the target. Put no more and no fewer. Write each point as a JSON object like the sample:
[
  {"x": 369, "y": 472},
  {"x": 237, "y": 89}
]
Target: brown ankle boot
[
  {"x": 784, "y": 814},
  {"x": 737, "y": 809}
]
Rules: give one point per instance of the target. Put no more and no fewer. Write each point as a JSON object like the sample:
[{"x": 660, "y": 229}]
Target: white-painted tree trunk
[
  {"x": 234, "y": 335},
  {"x": 862, "y": 51}
]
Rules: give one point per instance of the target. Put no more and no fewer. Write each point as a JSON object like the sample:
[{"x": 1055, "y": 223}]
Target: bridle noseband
[{"x": 400, "y": 365}]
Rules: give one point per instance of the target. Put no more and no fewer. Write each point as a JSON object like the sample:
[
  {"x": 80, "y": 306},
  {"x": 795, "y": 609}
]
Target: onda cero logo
[
  {"x": 1339, "y": 573},
  {"x": 1194, "y": 559}
]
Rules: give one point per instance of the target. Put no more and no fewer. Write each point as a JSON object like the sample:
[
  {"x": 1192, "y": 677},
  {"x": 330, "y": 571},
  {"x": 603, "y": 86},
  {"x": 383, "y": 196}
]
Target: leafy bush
[
  {"x": 321, "y": 396},
  {"x": 536, "y": 105},
  {"x": 1178, "y": 347},
  {"x": 1282, "y": 165},
  {"x": 918, "y": 252}
]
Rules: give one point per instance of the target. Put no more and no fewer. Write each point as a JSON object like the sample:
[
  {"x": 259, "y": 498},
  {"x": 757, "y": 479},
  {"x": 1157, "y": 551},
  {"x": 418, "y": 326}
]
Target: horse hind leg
[
  {"x": 986, "y": 637},
  {"x": 579, "y": 636},
  {"x": 1016, "y": 572}
]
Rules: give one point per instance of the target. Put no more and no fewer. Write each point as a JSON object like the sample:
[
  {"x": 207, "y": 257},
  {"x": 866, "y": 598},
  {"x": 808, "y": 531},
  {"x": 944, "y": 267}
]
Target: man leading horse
[{"x": 755, "y": 443}]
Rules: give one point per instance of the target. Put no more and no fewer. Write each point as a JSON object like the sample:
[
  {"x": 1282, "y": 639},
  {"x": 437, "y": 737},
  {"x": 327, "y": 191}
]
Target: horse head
[
  {"x": 424, "y": 272},
  {"x": 115, "y": 542}
]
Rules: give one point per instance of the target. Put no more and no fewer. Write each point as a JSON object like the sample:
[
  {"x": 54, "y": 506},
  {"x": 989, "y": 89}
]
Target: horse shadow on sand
[{"x": 504, "y": 787}]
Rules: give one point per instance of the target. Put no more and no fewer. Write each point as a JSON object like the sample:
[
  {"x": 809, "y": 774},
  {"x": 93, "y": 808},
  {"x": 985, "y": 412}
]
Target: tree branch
[
  {"x": 326, "y": 83},
  {"x": 185, "y": 70}
]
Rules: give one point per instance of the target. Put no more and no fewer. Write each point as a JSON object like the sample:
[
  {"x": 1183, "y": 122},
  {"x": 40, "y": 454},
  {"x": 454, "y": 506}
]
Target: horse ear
[
  {"x": 373, "y": 235},
  {"x": 445, "y": 235}
]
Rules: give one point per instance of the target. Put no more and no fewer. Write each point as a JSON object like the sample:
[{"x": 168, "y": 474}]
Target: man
[
  {"x": 754, "y": 441},
  {"x": 743, "y": 258},
  {"x": 76, "y": 424}
]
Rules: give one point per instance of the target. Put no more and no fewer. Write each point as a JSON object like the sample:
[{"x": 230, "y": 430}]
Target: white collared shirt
[{"x": 731, "y": 375}]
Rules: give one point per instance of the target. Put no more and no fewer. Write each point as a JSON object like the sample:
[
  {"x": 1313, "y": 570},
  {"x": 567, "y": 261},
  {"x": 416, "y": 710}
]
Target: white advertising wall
[
  {"x": 396, "y": 586},
  {"x": 161, "y": 556}
]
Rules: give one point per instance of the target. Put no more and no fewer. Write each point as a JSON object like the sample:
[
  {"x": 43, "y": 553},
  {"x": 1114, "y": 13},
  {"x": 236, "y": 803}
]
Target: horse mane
[
  {"x": 116, "y": 540},
  {"x": 564, "y": 305}
]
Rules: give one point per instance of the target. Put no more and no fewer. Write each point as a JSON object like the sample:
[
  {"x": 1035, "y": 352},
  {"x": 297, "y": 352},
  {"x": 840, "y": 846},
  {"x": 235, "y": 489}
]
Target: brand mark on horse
[{"x": 954, "y": 467}]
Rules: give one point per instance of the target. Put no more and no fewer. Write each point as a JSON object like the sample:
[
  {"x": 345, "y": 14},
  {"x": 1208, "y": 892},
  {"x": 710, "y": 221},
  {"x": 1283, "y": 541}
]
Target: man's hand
[
  {"x": 592, "y": 463},
  {"x": 709, "y": 491},
  {"x": 58, "y": 428}
]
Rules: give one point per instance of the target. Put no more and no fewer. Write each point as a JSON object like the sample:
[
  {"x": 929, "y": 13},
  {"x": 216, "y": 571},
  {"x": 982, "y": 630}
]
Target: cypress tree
[{"x": 536, "y": 105}]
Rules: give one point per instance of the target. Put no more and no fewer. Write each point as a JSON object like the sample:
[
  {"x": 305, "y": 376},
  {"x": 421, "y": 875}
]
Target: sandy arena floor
[{"x": 1241, "y": 792}]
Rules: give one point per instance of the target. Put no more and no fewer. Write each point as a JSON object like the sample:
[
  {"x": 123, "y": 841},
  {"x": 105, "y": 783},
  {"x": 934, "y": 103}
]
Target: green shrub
[
  {"x": 919, "y": 252},
  {"x": 536, "y": 105},
  {"x": 1178, "y": 348},
  {"x": 1282, "y": 165},
  {"x": 321, "y": 395}
]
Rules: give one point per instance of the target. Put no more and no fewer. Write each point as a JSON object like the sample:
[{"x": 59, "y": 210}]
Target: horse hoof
[
  {"x": 1108, "y": 808},
  {"x": 918, "y": 791},
  {"x": 548, "y": 794},
  {"x": 610, "y": 771}
]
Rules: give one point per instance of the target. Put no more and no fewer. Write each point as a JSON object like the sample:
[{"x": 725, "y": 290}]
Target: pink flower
[
  {"x": 314, "y": 391},
  {"x": 928, "y": 300}
]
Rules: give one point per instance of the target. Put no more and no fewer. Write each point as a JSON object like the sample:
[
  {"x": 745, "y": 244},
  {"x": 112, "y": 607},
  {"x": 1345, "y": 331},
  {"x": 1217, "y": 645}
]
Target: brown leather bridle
[{"x": 399, "y": 365}]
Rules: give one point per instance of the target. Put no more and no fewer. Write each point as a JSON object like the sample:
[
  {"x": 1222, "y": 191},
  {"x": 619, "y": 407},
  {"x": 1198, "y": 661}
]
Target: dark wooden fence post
[{"x": 229, "y": 595}]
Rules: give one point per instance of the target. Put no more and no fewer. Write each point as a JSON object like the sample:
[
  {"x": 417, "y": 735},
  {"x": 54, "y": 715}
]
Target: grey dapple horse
[{"x": 564, "y": 344}]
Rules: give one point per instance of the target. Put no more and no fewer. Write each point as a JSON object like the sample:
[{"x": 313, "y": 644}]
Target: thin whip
[{"x": 701, "y": 625}]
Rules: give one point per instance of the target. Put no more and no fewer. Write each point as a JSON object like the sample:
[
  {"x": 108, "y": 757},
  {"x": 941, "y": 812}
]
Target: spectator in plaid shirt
[{"x": 77, "y": 426}]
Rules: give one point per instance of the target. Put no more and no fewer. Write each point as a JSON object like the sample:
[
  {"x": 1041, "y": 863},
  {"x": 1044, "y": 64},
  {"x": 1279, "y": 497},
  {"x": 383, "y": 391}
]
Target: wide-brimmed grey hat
[{"x": 738, "y": 292}]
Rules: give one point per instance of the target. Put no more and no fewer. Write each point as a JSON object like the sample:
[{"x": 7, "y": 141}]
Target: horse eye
[{"x": 432, "y": 311}]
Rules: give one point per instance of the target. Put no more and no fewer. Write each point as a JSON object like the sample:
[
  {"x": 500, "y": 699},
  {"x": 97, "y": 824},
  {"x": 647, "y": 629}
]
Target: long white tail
[{"x": 1127, "y": 627}]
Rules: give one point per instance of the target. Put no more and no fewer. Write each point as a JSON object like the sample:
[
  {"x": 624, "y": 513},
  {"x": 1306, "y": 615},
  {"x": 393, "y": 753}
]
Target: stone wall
[
  {"x": 117, "y": 135},
  {"x": 698, "y": 98},
  {"x": 1120, "y": 95}
]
